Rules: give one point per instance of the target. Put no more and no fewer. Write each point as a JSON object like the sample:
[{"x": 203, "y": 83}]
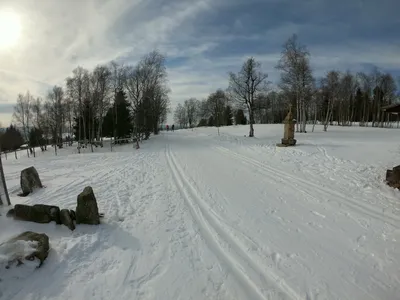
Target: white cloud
[{"x": 60, "y": 35}]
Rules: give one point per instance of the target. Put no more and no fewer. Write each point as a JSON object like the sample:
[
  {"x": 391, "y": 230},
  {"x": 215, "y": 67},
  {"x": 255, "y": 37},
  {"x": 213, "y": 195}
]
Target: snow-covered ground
[{"x": 194, "y": 215}]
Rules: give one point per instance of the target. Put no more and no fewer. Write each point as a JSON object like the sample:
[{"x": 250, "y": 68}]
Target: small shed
[{"x": 393, "y": 109}]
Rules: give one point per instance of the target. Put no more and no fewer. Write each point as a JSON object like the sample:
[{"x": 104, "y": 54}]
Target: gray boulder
[
  {"x": 66, "y": 219},
  {"x": 10, "y": 213},
  {"x": 72, "y": 214},
  {"x": 29, "y": 180},
  {"x": 40, "y": 250},
  {"x": 87, "y": 211},
  {"x": 38, "y": 213},
  {"x": 393, "y": 177}
]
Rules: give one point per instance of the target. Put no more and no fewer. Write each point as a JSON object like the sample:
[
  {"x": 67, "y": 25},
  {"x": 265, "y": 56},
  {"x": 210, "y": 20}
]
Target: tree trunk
[
  {"x": 297, "y": 110},
  {"x": 328, "y": 112},
  {"x": 315, "y": 117},
  {"x": 251, "y": 121}
]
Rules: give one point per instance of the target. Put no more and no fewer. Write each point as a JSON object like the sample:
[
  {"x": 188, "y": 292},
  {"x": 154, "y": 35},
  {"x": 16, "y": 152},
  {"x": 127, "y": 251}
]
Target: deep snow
[{"x": 194, "y": 215}]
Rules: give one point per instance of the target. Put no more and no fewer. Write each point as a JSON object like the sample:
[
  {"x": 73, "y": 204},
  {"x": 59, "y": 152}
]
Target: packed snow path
[{"x": 193, "y": 215}]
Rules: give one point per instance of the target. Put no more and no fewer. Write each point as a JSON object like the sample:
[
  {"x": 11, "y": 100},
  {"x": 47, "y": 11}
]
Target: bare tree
[
  {"x": 214, "y": 106},
  {"x": 23, "y": 114},
  {"x": 75, "y": 91},
  {"x": 261, "y": 105},
  {"x": 118, "y": 80},
  {"x": 296, "y": 77},
  {"x": 246, "y": 85},
  {"x": 55, "y": 110},
  {"x": 148, "y": 93},
  {"x": 101, "y": 88},
  {"x": 69, "y": 111},
  {"x": 366, "y": 84},
  {"x": 331, "y": 85},
  {"x": 180, "y": 115},
  {"x": 388, "y": 89},
  {"x": 191, "y": 108},
  {"x": 316, "y": 105}
]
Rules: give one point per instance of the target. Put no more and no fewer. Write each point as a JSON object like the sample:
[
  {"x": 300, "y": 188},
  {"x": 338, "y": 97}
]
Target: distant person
[
  {"x": 173, "y": 127},
  {"x": 167, "y": 128}
]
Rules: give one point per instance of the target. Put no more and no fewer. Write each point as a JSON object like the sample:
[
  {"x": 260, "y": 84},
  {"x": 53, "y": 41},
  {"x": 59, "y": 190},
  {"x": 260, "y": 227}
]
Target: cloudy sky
[{"x": 202, "y": 39}]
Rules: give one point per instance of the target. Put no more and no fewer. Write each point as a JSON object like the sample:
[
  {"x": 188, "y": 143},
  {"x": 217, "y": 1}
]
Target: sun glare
[{"x": 10, "y": 29}]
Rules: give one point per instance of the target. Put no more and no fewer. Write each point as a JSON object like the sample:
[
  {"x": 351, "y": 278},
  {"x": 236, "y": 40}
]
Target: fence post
[{"x": 3, "y": 186}]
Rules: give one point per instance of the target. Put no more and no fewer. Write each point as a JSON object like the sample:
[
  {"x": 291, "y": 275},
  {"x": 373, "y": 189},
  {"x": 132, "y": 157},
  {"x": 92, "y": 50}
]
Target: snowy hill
[{"x": 194, "y": 215}]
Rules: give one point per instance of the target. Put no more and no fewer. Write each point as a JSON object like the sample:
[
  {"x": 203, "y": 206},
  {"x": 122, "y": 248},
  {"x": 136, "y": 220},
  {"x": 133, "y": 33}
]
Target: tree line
[
  {"x": 112, "y": 100},
  {"x": 341, "y": 97}
]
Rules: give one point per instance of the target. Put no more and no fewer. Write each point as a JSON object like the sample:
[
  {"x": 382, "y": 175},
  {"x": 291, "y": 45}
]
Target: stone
[
  {"x": 66, "y": 219},
  {"x": 288, "y": 131},
  {"x": 52, "y": 210},
  {"x": 30, "y": 180},
  {"x": 87, "y": 211},
  {"x": 38, "y": 213},
  {"x": 40, "y": 250},
  {"x": 393, "y": 177},
  {"x": 10, "y": 213},
  {"x": 72, "y": 214}
]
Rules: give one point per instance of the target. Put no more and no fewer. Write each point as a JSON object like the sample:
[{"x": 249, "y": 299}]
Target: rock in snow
[
  {"x": 30, "y": 180},
  {"x": 38, "y": 213},
  {"x": 16, "y": 250},
  {"x": 66, "y": 219},
  {"x": 393, "y": 177},
  {"x": 87, "y": 211}
]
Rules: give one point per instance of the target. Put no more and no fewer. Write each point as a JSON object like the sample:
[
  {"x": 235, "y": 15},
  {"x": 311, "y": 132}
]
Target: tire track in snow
[
  {"x": 259, "y": 284},
  {"x": 324, "y": 192}
]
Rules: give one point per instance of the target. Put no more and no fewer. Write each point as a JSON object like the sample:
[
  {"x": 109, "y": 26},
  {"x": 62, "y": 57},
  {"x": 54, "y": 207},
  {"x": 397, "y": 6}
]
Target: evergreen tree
[
  {"x": 118, "y": 118},
  {"x": 202, "y": 123},
  {"x": 11, "y": 140},
  {"x": 211, "y": 121},
  {"x": 240, "y": 118},
  {"x": 228, "y": 116},
  {"x": 36, "y": 138}
]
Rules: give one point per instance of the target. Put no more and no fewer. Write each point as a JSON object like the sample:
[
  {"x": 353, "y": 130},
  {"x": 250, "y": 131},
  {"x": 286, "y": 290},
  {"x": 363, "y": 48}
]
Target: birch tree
[
  {"x": 346, "y": 99},
  {"x": 55, "y": 111},
  {"x": 366, "y": 84},
  {"x": 102, "y": 84},
  {"x": 331, "y": 85},
  {"x": 296, "y": 78},
  {"x": 75, "y": 86}
]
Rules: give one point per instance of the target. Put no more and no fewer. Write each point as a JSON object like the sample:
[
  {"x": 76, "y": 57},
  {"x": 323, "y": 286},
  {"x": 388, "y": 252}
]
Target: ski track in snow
[
  {"x": 147, "y": 246},
  {"x": 304, "y": 186},
  {"x": 194, "y": 215},
  {"x": 233, "y": 254}
]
